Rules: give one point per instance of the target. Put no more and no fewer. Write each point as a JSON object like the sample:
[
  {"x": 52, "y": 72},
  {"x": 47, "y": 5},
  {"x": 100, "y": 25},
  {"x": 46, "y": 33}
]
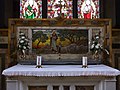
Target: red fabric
[{"x": 87, "y": 15}]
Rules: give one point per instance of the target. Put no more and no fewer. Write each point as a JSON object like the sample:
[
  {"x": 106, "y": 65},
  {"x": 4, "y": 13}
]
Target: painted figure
[
  {"x": 59, "y": 7},
  {"x": 30, "y": 10},
  {"x": 53, "y": 41},
  {"x": 88, "y": 9}
]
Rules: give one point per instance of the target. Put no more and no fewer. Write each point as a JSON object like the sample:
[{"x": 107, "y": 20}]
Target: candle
[
  {"x": 39, "y": 60},
  {"x": 84, "y": 61}
]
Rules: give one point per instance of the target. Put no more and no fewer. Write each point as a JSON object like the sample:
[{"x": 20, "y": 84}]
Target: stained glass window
[
  {"x": 30, "y": 9},
  {"x": 60, "y": 8},
  {"x": 88, "y": 9}
]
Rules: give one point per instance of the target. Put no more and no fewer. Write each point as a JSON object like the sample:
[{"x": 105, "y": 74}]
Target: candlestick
[{"x": 84, "y": 62}]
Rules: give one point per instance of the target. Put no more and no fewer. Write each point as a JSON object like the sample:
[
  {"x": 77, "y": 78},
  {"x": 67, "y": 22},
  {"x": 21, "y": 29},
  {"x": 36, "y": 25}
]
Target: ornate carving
[
  {"x": 106, "y": 23},
  {"x": 68, "y": 22},
  {"x": 52, "y": 23},
  {"x": 81, "y": 22},
  {"x": 39, "y": 22},
  {"x": 25, "y": 21},
  {"x": 95, "y": 22}
]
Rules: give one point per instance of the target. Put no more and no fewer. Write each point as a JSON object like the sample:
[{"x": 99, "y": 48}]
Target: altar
[
  {"x": 61, "y": 43},
  {"x": 61, "y": 77}
]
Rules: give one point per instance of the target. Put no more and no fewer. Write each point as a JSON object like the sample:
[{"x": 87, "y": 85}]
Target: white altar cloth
[{"x": 61, "y": 70}]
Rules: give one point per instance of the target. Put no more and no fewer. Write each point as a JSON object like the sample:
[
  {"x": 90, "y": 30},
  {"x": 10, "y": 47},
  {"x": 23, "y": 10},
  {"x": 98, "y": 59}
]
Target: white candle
[
  {"x": 84, "y": 60},
  {"x": 39, "y": 60}
]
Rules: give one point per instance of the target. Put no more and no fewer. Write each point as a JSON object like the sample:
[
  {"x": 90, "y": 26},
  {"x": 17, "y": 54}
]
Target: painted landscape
[{"x": 60, "y": 41}]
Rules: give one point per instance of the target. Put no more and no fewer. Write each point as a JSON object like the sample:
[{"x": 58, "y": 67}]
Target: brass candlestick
[
  {"x": 39, "y": 66},
  {"x": 84, "y": 66}
]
